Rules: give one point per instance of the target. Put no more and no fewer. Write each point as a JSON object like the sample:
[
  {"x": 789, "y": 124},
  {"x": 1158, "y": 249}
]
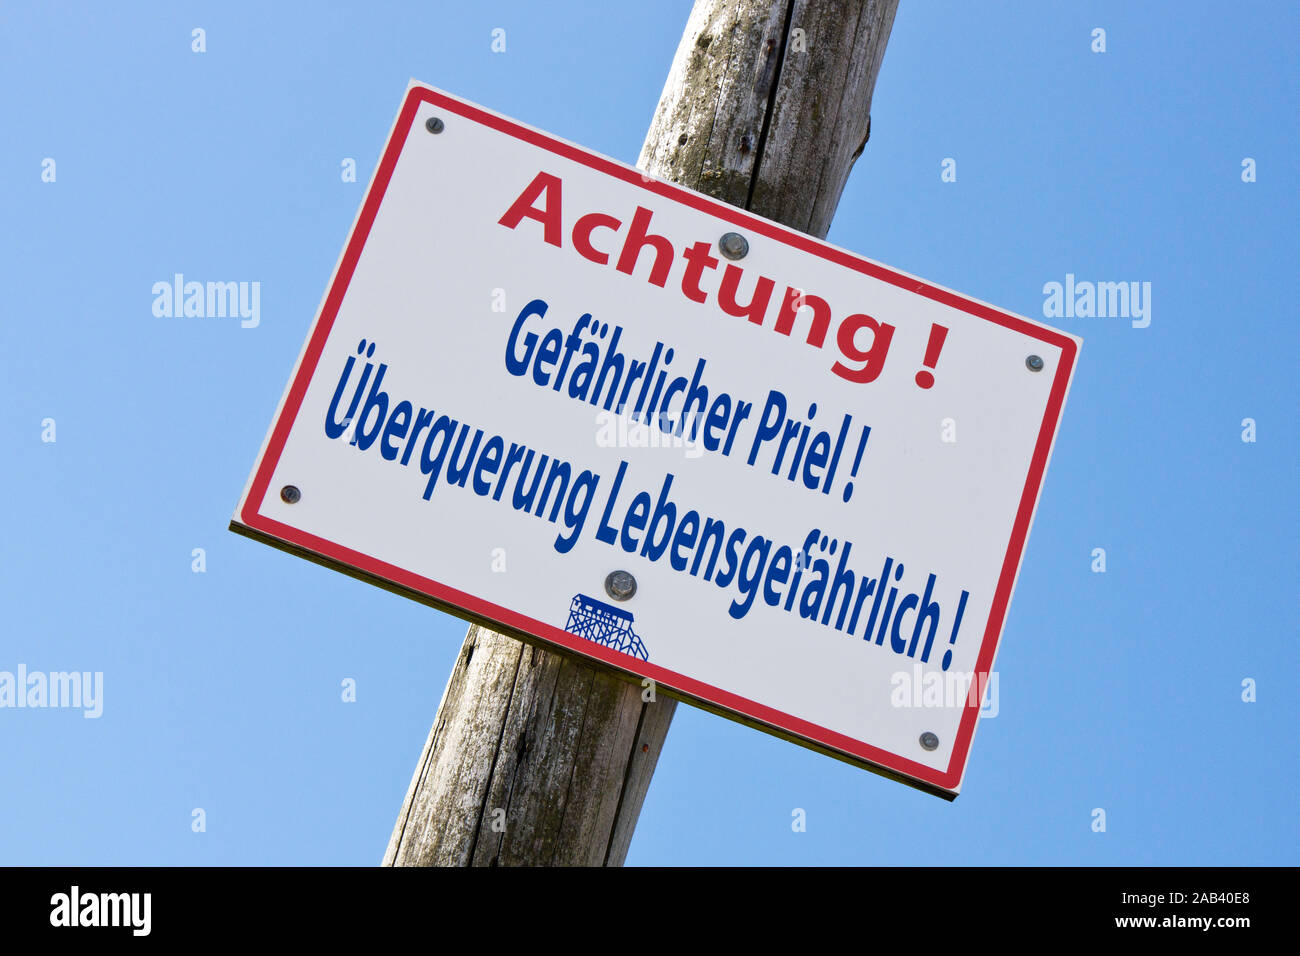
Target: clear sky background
[{"x": 1119, "y": 690}]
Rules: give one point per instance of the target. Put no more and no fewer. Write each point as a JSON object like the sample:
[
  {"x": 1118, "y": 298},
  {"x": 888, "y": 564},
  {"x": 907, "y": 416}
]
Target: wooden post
[{"x": 536, "y": 758}]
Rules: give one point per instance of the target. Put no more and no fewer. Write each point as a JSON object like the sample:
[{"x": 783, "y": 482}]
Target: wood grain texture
[
  {"x": 537, "y": 758},
  {"x": 768, "y": 104}
]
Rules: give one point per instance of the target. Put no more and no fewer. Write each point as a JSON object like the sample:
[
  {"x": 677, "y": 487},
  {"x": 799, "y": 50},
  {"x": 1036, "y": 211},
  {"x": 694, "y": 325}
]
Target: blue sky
[{"x": 1119, "y": 690}]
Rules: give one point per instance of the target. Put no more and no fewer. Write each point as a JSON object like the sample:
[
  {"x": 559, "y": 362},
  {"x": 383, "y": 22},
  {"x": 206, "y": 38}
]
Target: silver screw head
[
  {"x": 434, "y": 125},
  {"x": 290, "y": 494},
  {"x": 733, "y": 245},
  {"x": 1034, "y": 363},
  {"x": 929, "y": 741},
  {"x": 620, "y": 585}
]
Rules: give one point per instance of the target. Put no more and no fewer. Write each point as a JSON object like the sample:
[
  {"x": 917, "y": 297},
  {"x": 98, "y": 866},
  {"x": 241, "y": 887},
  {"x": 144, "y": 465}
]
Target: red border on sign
[{"x": 947, "y": 779}]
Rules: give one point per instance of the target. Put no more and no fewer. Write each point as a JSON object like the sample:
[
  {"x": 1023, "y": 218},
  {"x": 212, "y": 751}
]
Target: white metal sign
[{"x": 535, "y": 366}]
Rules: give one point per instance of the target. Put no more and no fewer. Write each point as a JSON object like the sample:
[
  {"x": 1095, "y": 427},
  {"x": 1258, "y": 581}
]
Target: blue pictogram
[{"x": 599, "y": 622}]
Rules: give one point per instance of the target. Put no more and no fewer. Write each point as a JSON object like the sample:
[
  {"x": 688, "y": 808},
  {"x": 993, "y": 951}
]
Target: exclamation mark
[
  {"x": 956, "y": 625},
  {"x": 857, "y": 460},
  {"x": 938, "y": 333}
]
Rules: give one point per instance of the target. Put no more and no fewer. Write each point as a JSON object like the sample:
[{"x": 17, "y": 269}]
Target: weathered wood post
[{"x": 537, "y": 758}]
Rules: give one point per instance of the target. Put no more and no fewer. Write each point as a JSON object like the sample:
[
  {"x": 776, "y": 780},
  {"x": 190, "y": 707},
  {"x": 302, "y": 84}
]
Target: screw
[
  {"x": 290, "y": 494},
  {"x": 434, "y": 125},
  {"x": 734, "y": 245},
  {"x": 929, "y": 741},
  {"x": 620, "y": 585},
  {"x": 1034, "y": 363}
]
